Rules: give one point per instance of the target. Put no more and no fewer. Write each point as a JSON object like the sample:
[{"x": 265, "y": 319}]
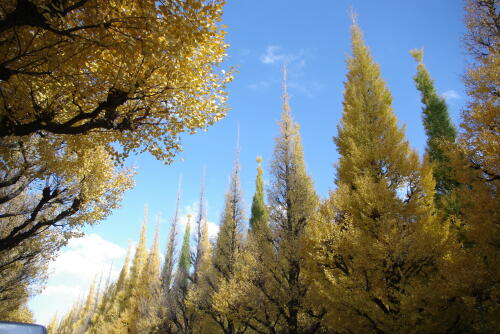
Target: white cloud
[
  {"x": 275, "y": 54},
  {"x": 213, "y": 229},
  {"x": 87, "y": 257},
  {"x": 83, "y": 260},
  {"x": 271, "y": 56},
  {"x": 450, "y": 95}
]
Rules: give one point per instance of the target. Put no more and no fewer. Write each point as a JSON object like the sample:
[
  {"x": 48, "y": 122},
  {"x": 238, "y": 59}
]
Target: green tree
[
  {"x": 259, "y": 213},
  {"x": 438, "y": 127},
  {"x": 185, "y": 257}
]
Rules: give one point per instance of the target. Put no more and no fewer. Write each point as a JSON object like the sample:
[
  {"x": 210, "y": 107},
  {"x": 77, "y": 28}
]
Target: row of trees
[
  {"x": 402, "y": 245},
  {"x": 83, "y": 83}
]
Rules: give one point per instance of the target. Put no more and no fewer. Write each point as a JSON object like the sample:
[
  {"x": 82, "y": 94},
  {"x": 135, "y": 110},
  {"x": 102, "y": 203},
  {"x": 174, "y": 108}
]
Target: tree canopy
[{"x": 136, "y": 73}]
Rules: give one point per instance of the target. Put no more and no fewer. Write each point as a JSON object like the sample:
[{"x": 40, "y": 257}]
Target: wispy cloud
[
  {"x": 451, "y": 95},
  {"x": 276, "y": 54},
  {"x": 296, "y": 61}
]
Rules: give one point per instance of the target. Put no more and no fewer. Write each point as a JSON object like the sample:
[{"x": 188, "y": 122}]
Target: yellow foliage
[
  {"x": 374, "y": 253},
  {"x": 476, "y": 164},
  {"x": 21, "y": 314},
  {"x": 131, "y": 72}
]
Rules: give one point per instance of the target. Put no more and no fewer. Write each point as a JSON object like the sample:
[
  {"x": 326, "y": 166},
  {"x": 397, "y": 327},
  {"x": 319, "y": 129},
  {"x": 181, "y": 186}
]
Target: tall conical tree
[
  {"x": 52, "y": 325},
  {"x": 438, "y": 127},
  {"x": 292, "y": 203},
  {"x": 128, "y": 316},
  {"x": 227, "y": 249},
  {"x": 140, "y": 256},
  {"x": 105, "y": 307},
  {"x": 179, "y": 316},
  {"x": 149, "y": 292},
  {"x": 259, "y": 215},
  {"x": 205, "y": 249},
  {"x": 124, "y": 272},
  {"x": 67, "y": 321},
  {"x": 168, "y": 265},
  {"x": 229, "y": 239},
  {"x": 259, "y": 248},
  {"x": 109, "y": 314},
  {"x": 185, "y": 257},
  {"x": 198, "y": 299},
  {"x": 121, "y": 285},
  {"x": 376, "y": 265},
  {"x": 480, "y": 119},
  {"x": 87, "y": 310},
  {"x": 201, "y": 232}
]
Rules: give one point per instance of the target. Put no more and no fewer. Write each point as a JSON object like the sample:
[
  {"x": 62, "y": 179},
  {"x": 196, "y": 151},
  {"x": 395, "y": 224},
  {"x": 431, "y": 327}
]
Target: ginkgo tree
[
  {"x": 135, "y": 72},
  {"x": 377, "y": 249},
  {"x": 476, "y": 165}
]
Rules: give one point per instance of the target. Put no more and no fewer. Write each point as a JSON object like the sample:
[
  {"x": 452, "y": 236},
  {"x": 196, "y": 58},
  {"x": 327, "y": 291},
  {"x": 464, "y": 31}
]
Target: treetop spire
[
  {"x": 418, "y": 55},
  {"x": 286, "y": 105}
]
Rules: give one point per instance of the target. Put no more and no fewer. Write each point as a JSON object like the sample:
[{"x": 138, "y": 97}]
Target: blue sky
[{"x": 313, "y": 38}]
